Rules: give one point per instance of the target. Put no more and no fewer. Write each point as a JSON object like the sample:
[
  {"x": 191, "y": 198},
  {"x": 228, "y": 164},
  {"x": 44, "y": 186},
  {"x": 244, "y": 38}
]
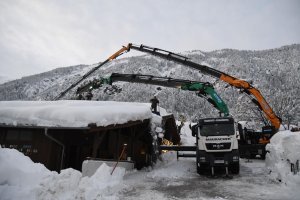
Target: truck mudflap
[{"x": 214, "y": 159}]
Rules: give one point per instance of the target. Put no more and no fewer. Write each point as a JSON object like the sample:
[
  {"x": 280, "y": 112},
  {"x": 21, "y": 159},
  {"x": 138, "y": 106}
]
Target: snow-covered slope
[{"x": 275, "y": 72}]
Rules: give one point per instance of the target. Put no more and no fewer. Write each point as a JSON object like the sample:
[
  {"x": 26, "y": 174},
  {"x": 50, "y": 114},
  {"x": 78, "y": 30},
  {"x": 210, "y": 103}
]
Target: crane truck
[{"x": 249, "y": 143}]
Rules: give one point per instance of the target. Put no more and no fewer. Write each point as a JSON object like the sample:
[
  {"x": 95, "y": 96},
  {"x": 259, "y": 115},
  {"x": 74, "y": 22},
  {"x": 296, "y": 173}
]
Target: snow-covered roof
[{"x": 71, "y": 113}]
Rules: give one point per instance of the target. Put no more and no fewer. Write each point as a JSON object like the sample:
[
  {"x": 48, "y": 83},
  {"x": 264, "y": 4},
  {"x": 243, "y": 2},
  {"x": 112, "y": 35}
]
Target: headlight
[
  {"x": 202, "y": 159},
  {"x": 235, "y": 158}
]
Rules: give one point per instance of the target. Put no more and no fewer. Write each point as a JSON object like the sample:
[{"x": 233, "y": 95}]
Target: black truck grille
[{"x": 218, "y": 146}]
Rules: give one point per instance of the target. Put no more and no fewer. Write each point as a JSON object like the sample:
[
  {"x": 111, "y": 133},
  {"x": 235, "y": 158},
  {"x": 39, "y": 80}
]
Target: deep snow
[
  {"x": 284, "y": 151},
  {"x": 20, "y": 178}
]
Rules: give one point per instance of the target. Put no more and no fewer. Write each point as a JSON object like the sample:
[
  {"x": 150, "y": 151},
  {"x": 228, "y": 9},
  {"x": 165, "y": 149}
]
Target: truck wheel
[
  {"x": 253, "y": 156},
  {"x": 235, "y": 168},
  {"x": 200, "y": 170}
]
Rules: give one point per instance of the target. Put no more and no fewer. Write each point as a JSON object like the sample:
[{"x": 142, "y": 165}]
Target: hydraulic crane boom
[
  {"x": 246, "y": 87},
  {"x": 203, "y": 89},
  {"x": 112, "y": 57}
]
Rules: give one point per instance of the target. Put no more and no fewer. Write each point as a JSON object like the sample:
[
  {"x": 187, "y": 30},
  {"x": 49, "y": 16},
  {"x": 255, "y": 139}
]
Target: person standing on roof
[
  {"x": 80, "y": 97},
  {"x": 89, "y": 95},
  {"x": 154, "y": 102}
]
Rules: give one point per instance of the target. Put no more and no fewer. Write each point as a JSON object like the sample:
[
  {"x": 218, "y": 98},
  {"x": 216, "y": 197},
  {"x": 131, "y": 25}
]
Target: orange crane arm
[
  {"x": 261, "y": 102},
  {"x": 247, "y": 87},
  {"x": 114, "y": 56}
]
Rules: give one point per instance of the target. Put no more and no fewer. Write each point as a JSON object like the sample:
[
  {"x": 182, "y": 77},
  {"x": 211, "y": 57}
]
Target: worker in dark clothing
[
  {"x": 80, "y": 97},
  {"x": 154, "y": 102},
  {"x": 89, "y": 95}
]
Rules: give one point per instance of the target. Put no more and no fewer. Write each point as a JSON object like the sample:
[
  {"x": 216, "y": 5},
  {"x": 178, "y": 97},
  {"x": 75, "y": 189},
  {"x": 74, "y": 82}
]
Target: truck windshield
[{"x": 217, "y": 129}]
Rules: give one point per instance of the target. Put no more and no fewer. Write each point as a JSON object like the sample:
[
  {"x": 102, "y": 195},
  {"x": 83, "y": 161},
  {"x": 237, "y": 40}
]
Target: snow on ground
[
  {"x": 71, "y": 113},
  {"x": 168, "y": 179},
  {"x": 20, "y": 178},
  {"x": 70, "y": 184},
  {"x": 172, "y": 179},
  {"x": 18, "y": 175}
]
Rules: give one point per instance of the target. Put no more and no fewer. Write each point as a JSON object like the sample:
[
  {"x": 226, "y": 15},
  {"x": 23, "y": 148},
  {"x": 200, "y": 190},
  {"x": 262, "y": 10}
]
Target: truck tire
[
  {"x": 253, "y": 156},
  {"x": 201, "y": 169},
  {"x": 235, "y": 168}
]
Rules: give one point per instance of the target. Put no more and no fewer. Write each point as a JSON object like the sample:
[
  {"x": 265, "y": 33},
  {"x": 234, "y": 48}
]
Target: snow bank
[
  {"x": 284, "y": 150},
  {"x": 20, "y": 178},
  {"x": 71, "y": 113},
  {"x": 19, "y": 175},
  {"x": 69, "y": 184}
]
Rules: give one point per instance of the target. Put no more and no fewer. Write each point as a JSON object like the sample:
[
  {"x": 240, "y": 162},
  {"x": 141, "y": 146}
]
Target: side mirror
[{"x": 194, "y": 130}]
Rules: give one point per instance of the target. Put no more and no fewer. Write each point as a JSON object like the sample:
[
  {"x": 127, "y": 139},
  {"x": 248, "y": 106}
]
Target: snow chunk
[
  {"x": 71, "y": 113},
  {"x": 69, "y": 184},
  {"x": 59, "y": 186},
  {"x": 284, "y": 150},
  {"x": 102, "y": 183}
]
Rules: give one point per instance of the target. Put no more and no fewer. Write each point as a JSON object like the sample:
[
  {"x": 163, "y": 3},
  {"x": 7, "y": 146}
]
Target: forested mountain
[{"x": 275, "y": 72}]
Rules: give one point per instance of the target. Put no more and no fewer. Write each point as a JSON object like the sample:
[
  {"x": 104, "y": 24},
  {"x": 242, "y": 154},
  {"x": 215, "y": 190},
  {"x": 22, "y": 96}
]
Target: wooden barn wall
[
  {"x": 31, "y": 142},
  {"x": 80, "y": 144},
  {"x": 108, "y": 144}
]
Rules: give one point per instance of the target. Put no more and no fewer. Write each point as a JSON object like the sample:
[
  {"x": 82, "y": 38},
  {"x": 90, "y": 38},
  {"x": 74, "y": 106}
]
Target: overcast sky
[{"x": 40, "y": 35}]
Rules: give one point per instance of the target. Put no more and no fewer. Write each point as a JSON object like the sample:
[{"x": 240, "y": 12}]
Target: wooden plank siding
[{"x": 80, "y": 144}]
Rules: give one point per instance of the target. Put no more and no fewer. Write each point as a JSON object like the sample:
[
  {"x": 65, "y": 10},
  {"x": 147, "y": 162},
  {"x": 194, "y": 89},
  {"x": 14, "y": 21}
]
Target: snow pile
[
  {"x": 70, "y": 184},
  {"x": 19, "y": 175},
  {"x": 71, "y": 113},
  {"x": 284, "y": 150},
  {"x": 20, "y": 178},
  {"x": 186, "y": 134},
  {"x": 59, "y": 186}
]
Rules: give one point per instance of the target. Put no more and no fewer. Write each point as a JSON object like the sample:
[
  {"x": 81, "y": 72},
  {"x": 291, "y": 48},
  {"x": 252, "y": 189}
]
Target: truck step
[
  {"x": 177, "y": 148},
  {"x": 186, "y": 155}
]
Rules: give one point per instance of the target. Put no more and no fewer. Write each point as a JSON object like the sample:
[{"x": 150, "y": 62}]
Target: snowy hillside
[{"x": 275, "y": 72}]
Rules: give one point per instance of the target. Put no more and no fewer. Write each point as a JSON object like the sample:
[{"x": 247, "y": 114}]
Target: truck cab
[{"x": 217, "y": 145}]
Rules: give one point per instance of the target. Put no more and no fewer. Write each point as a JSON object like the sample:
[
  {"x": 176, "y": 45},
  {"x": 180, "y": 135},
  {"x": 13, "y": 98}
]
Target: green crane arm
[
  {"x": 208, "y": 89},
  {"x": 204, "y": 90}
]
